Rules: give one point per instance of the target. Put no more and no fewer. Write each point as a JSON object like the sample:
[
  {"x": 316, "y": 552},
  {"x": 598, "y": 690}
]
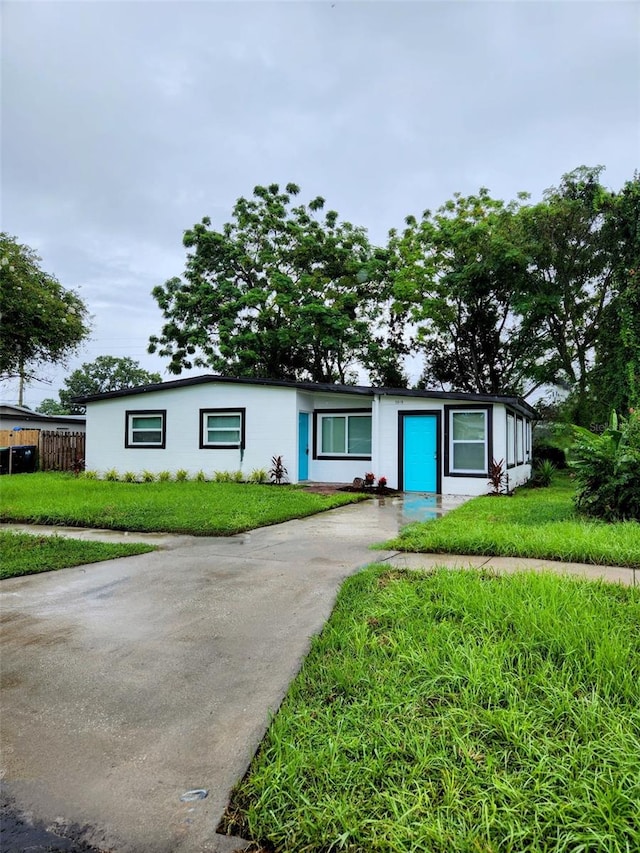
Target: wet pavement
[
  {"x": 389, "y": 513},
  {"x": 128, "y": 683}
]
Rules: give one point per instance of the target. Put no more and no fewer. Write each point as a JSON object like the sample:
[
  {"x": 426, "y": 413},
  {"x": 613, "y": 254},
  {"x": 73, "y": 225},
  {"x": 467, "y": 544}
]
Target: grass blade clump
[
  {"x": 26, "y": 554},
  {"x": 456, "y": 712},
  {"x": 187, "y": 506},
  {"x": 539, "y": 523}
]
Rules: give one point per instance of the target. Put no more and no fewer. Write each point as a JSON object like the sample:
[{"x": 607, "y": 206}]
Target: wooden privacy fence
[
  {"x": 11, "y": 437},
  {"x": 57, "y": 451},
  {"x": 61, "y": 451}
]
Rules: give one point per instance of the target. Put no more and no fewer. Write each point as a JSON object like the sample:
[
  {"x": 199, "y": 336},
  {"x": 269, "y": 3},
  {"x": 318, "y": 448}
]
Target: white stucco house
[{"x": 423, "y": 441}]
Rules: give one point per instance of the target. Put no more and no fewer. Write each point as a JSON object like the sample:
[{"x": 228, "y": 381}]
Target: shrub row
[{"x": 258, "y": 475}]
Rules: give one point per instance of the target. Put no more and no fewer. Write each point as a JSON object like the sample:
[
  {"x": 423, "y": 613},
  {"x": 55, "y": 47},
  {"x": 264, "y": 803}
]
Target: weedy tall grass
[
  {"x": 456, "y": 712},
  {"x": 540, "y": 523}
]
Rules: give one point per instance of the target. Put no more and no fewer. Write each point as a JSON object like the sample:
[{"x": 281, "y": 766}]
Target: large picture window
[
  {"x": 344, "y": 434},
  {"x": 468, "y": 441},
  {"x": 222, "y": 428},
  {"x": 145, "y": 429}
]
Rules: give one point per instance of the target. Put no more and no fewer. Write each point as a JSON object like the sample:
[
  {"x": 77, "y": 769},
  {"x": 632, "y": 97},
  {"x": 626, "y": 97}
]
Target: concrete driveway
[{"x": 127, "y": 683}]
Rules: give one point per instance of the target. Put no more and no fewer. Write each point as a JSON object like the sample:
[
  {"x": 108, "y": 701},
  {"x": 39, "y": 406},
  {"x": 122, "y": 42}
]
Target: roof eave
[{"x": 515, "y": 402}]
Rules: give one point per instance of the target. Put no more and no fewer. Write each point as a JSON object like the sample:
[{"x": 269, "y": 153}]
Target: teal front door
[
  {"x": 420, "y": 440},
  {"x": 303, "y": 446}
]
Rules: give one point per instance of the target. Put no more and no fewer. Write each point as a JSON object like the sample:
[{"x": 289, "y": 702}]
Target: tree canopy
[
  {"x": 105, "y": 373},
  {"x": 280, "y": 292},
  {"x": 498, "y": 297},
  {"x": 614, "y": 381},
  {"x": 42, "y": 322},
  {"x": 570, "y": 281},
  {"x": 458, "y": 273},
  {"x": 507, "y": 297},
  {"x": 49, "y": 406}
]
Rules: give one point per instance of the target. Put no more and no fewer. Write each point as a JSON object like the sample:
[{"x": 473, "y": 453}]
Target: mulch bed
[{"x": 332, "y": 488}]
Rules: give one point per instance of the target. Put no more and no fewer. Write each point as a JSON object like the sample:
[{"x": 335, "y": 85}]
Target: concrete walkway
[
  {"x": 128, "y": 683},
  {"x": 509, "y": 565}
]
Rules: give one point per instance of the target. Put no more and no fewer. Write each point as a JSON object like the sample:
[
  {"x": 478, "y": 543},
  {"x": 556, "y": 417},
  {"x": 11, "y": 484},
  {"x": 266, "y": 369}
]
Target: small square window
[
  {"x": 146, "y": 429},
  {"x": 222, "y": 428}
]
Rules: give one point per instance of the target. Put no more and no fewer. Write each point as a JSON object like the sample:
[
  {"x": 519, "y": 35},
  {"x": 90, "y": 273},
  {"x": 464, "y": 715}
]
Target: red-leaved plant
[
  {"x": 497, "y": 477},
  {"x": 277, "y": 472}
]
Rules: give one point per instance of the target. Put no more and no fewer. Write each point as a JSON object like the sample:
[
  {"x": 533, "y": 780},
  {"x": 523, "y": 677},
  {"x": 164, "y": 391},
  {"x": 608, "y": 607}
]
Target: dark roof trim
[
  {"x": 9, "y": 411},
  {"x": 232, "y": 380},
  {"x": 360, "y": 390},
  {"x": 515, "y": 402}
]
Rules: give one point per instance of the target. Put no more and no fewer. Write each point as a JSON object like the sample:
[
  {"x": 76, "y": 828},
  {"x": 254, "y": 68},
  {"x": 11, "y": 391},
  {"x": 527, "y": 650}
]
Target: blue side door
[
  {"x": 420, "y": 453},
  {"x": 303, "y": 446}
]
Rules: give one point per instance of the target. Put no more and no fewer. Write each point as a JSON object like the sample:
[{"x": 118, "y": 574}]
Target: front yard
[
  {"x": 457, "y": 712},
  {"x": 539, "y": 523},
  {"x": 449, "y": 712},
  {"x": 196, "y": 508}
]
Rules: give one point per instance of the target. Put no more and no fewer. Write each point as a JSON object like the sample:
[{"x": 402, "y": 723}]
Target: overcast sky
[{"x": 124, "y": 123}]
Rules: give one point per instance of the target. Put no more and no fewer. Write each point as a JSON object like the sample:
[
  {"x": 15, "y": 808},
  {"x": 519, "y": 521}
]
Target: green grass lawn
[
  {"x": 24, "y": 554},
  {"x": 457, "y": 712},
  {"x": 202, "y": 509},
  {"x": 539, "y": 523}
]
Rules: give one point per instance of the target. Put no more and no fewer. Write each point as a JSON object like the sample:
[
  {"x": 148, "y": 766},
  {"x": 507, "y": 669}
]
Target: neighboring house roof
[
  {"x": 7, "y": 410},
  {"x": 361, "y": 390}
]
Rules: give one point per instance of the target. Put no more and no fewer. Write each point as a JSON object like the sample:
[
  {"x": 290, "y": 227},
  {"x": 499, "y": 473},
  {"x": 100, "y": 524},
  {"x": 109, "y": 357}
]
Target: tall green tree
[
  {"x": 615, "y": 378},
  {"x": 458, "y": 272},
  {"x": 105, "y": 373},
  {"x": 279, "y": 292},
  {"x": 570, "y": 280},
  {"x": 42, "y": 322}
]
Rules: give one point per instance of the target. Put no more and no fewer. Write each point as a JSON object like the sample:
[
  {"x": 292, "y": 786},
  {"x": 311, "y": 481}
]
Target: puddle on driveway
[{"x": 412, "y": 506}]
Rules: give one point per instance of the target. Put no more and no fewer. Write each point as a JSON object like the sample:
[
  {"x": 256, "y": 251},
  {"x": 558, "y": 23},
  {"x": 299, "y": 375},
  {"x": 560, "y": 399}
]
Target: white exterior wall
[
  {"x": 520, "y": 473},
  {"x": 386, "y": 448},
  {"x": 270, "y": 424},
  {"x": 334, "y": 470},
  {"x": 271, "y": 429}
]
